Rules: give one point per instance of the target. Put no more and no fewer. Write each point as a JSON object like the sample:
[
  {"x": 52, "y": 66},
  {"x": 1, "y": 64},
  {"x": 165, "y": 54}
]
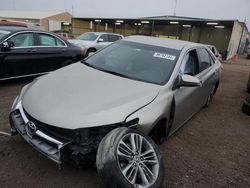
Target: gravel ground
[{"x": 211, "y": 150}]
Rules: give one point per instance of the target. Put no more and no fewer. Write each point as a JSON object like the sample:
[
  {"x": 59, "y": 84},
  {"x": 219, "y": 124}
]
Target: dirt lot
[{"x": 211, "y": 150}]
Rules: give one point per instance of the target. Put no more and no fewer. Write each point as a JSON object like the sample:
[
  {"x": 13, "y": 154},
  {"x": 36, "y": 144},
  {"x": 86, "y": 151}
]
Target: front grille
[
  {"x": 55, "y": 132},
  {"x": 49, "y": 149}
]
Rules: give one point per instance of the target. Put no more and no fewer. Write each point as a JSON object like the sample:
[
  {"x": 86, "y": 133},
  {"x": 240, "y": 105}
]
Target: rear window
[
  {"x": 204, "y": 59},
  {"x": 48, "y": 40},
  {"x": 113, "y": 38}
]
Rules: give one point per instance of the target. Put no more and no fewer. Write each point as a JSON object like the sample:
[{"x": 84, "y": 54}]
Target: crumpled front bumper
[{"x": 45, "y": 144}]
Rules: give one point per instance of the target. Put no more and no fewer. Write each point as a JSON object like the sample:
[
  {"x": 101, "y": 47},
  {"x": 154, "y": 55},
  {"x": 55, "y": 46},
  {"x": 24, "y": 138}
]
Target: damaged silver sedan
[{"x": 110, "y": 107}]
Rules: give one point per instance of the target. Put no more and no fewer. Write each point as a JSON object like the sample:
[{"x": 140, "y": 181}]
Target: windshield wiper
[
  {"x": 88, "y": 64},
  {"x": 114, "y": 73},
  {"x": 104, "y": 70}
]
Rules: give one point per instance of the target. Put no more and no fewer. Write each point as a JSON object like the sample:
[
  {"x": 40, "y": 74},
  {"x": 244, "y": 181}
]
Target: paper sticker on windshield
[{"x": 164, "y": 56}]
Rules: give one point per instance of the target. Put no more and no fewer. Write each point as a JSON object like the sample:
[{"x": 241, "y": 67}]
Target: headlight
[
  {"x": 14, "y": 103},
  {"x": 95, "y": 134}
]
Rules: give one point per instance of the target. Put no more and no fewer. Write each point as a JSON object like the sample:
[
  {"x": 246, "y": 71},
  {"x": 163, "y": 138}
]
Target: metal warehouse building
[{"x": 229, "y": 36}]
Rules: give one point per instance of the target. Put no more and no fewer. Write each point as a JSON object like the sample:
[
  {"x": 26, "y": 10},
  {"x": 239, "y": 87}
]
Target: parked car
[
  {"x": 25, "y": 52},
  {"x": 64, "y": 34},
  {"x": 12, "y": 23},
  {"x": 109, "y": 106},
  {"x": 93, "y": 41},
  {"x": 216, "y": 52}
]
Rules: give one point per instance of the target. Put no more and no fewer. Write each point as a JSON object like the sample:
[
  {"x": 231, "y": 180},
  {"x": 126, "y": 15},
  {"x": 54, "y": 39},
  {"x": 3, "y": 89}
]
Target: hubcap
[{"x": 137, "y": 160}]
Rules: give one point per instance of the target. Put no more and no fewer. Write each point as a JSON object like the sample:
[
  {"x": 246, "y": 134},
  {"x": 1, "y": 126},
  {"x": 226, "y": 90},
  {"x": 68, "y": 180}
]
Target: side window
[
  {"x": 104, "y": 37},
  {"x": 212, "y": 59},
  {"x": 113, "y": 38},
  {"x": 59, "y": 42},
  {"x": 190, "y": 64},
  {"x": 23, "y": 40},
  {"x": 204, "y": 59},
  {"x": 48, "y": 40}
]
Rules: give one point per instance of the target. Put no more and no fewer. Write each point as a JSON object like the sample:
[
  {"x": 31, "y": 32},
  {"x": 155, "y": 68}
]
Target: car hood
[
  {"x": 79, "y": 96},
  {"x": 81, "y": 42}
]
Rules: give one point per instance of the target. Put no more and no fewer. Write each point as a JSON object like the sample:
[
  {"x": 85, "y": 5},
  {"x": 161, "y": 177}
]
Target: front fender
[{"x": 151, "y": 114}]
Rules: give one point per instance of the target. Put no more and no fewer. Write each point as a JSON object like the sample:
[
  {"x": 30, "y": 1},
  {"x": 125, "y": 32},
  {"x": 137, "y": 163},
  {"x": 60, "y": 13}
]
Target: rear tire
[
  {"x": 210, "y": 97},
  {"x": 248, "y": 84},
  {"x": 127, "y": 159}
]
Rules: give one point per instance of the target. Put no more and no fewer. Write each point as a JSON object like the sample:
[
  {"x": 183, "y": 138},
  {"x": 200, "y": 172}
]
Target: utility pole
[
  {"x": 175, "y": 6},
  {"x": 72, "y": 9}
]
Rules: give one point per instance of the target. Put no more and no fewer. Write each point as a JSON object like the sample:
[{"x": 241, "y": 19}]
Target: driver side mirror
[
  {"x": 186, "y": 80},
  {"x": 100, "y": 40},
  {"x": 7, "y": 45}
]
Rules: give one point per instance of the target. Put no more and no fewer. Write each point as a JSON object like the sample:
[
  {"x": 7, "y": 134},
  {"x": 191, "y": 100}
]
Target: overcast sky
[{"x": 214, "y": 9}]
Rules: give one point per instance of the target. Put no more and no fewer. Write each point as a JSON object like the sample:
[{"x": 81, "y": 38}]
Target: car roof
[
  {"x": 210, "y": 45},
  {"x": 13, "y": 28},
  {"x": 163, "y": 42},
  {"x": 105, "y": 33}
]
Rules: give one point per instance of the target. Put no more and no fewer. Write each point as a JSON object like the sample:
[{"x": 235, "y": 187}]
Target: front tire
[
  {"x": 91, "y": 50},
  {"x": 126, "y": 158}
]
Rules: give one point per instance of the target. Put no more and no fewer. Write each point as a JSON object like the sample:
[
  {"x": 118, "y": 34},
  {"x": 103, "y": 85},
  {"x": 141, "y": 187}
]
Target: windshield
[
  {"x": 152, "y": 64},
  {"x": 88, "y": 36},
  {"x": 3, "y": 33}
]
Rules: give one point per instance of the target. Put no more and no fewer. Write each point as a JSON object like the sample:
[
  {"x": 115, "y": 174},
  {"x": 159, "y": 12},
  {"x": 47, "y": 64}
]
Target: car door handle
[
  {"x": 63, "y": 50},
  {"x": 33, "y": 50}
]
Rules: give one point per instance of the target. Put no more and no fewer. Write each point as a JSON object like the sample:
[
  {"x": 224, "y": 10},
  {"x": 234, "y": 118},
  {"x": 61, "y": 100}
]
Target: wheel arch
[
  {"x": 216, "y": 86},
  {"x": 163, "y": 125},
  {"x": 92, "y": 48}
]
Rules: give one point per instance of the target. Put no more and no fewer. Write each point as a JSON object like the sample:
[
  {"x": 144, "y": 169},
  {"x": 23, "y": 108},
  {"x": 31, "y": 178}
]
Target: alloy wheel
[{"x": 137, "y": 160}]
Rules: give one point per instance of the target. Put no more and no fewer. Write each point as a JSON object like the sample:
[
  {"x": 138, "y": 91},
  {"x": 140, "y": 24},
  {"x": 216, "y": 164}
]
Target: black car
[{"x": 26, "y": 52}]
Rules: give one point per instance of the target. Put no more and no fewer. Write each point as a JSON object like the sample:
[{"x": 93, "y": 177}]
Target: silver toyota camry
[{"x": 110, "y": 107}]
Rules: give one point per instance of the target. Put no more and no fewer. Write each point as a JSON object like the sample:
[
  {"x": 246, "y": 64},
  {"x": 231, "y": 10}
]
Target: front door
[
  {"x": 18, "y": 61},
  {"x": 187, "y": 99},
  {"x": 104, "y": 43}
]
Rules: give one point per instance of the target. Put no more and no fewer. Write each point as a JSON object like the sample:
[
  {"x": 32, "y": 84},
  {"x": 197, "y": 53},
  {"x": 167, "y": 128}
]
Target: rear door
[
  {"x": 18, "y": 61},
  {"x": 51, "y": 52},
  {"x": 207, "y": 73},
  {"x": 189, "y": 100}
]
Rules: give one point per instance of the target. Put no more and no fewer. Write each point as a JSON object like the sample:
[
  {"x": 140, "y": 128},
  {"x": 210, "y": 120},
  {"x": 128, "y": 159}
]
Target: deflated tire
[
  {"x": 246, "y": 106},
  {"x": 126, "y": 158}
]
